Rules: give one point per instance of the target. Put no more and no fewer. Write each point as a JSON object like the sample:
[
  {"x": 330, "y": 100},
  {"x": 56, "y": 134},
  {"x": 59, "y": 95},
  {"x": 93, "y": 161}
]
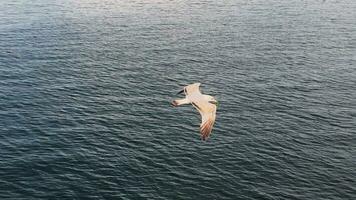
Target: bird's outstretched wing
[
  {"x": 208, "y": 114},
  {"x": 191, "y": 89}
]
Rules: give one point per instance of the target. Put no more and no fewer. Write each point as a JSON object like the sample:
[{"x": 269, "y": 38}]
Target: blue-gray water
[{"x": 85, "y": 91}]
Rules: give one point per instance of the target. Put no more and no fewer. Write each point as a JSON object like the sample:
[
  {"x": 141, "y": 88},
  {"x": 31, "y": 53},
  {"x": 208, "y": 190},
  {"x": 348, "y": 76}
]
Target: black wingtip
[
  {"x": 180, "y": 92},
  {"x": 204, "y": 138},
  {"x": 174, "y": 103}
]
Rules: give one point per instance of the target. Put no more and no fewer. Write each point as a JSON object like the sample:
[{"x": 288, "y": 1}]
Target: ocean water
[{"x": 86, "y": 86}]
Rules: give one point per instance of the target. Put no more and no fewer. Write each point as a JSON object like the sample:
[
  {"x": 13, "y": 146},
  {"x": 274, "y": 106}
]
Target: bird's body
[{"x": 205, "y": 104}]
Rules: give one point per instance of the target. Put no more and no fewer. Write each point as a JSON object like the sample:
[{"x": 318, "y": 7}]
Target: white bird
[{"x": 205, "y": 104}]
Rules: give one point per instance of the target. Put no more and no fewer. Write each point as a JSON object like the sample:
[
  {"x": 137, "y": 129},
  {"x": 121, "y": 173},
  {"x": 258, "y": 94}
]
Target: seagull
[{"x": 205, "y": 104}]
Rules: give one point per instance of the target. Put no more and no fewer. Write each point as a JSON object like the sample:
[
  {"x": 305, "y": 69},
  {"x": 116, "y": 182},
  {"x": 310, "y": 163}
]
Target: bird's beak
[{"x": 180, "y": 92}]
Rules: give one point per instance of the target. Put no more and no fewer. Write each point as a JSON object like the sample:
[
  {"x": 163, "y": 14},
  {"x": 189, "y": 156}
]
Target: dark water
[{"x": 86, "y": 89}]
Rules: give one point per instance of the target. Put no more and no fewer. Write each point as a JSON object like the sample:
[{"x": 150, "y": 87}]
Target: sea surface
[{"x": 86, "y": 86}]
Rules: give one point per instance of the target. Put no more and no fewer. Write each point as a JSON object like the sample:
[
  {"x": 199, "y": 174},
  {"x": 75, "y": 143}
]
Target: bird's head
[{"x": 214, "y": 101}]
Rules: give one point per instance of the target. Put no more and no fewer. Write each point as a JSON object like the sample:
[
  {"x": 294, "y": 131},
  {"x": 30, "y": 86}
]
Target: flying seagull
[{"x": 205, "y": 104}]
